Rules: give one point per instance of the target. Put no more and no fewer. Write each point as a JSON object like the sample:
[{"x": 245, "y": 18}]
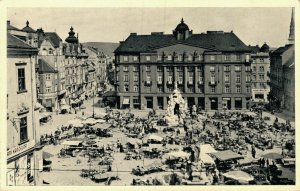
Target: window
[
  {"x": 170, "y": 89},
  {"x": 254, "y": 77},
  {"x": 238, "y": 57},
  {"x": 191, "y": 89},
  {"x": 227, "y": 68},
  {"x": 147, "y": 58},
  {"x": 126, "y": 68},
  {"x": 160, "y": 88},
  {"x": 148, "y": 77},
  {"x": 159, "y": 78},
  {"x": 212, "y": 89},
  {"x": 248, "y": 78},
  {"x": 126, "y": 88},
  {"x": 238, "y": 89},
  {"x": 200, "y": 57},
  {"x": 227, "y": 89},
  {"x": 135, "y": 68},
  {"x": 238, "y": 68},
  {"x": 44, "y": 51},
  {"x": 136, "y": 77},
  {"x": 212, "y": 77},
  {"x": 55, "y": 64},
  {"x": 169, "y": 68},
  {"x": 180, "y": 68},
  {"x": 261, "y": 60},
  {"x": 238, "y": 78},
  {"x": 261, "y": 77},
  {"x": 261, "y": 68},
  {"x": 190, "y": 68},
  {"x": 136, "y": 101},
  {"x": 248, "y": 89},
  {"x": 48, "y": 76},
  {"x": 117, "y": 77},
  {"x": 247, "y": 68},
  {"x": 159, "y": 68},
  {"x": 169, "y": 57},
  {"x": 227, "y": 76},
  {"x": 179, "y": 58},
  {"x": 135, "y": 58},
  {"x": 21, "y": 79},
  {"x": 23, "y": 129},
  {"x": 159, "y": 57},
  {"x": 50, "y": 51},
  {"x": 170, "y": 78},
  {"x": 212, "y": 68},
  {"x": 148, "y": 68},
  {"x": 227, "y": 57},
  {"x": 190, "y": 58},
  {"x": 254, "y": 68},
  {"x": 126, "y": 78},
  {"x": 191, "y": 77},
  {"x": 135, "y": 88},
  {"x": 212, "y": 57},
  {"x": 125, "y": 58},
  {"x": 180, "y": 77}
]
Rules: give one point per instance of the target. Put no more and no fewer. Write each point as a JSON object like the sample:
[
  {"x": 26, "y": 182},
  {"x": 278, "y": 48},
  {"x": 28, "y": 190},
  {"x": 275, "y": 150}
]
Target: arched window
[
  {"x": 50, "y": 51},
  {"x": 44, "y": 51}
]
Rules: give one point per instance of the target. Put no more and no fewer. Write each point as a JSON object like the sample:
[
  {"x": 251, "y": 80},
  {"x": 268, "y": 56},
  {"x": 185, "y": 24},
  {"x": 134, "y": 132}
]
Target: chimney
[{"x": 8, "y": 22}]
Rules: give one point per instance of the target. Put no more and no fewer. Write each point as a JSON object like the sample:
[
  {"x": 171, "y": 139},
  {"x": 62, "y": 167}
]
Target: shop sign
[{"x": 20, "y": 148}]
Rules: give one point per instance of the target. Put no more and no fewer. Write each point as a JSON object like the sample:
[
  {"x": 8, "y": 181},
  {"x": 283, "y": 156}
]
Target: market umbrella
[
  {"x": 273, "y": 156},
  {"x": 155, "y": 137},
  {"x": 100, "y": 121},
  {"x": 178, "y": 154},
  {"x": 47, "y": 155},
  {"x": 239, "y": 175},
  {"x": 90, "y": 121},
  {"x": 75, "y": 121}
]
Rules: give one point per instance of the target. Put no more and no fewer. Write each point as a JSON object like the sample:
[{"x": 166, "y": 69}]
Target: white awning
[
  {"x": 238, "y": 98},
  {"x": 71, "y": 143},
  {"x": 226, "y": 98},
  {"x": 125, "y": 101}
]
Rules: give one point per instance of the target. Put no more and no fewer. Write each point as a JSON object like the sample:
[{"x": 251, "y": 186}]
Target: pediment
[{"x": 180, "y": 48}]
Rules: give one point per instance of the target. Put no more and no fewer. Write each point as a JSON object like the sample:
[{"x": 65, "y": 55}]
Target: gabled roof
[
  {"x": 10, "y": 27},
  {"x": 254, "y": 49},
  {"x": 55, "y": 39},
  {"x": 217, "y": 41},
  {"x": 44, "y": 67},
  {"x": 282, "y": 49},
  {"x": 14, "y": 42}
]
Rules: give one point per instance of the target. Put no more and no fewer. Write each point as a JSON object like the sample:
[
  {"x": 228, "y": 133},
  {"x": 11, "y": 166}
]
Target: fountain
[{"x": 177, "y": 108}]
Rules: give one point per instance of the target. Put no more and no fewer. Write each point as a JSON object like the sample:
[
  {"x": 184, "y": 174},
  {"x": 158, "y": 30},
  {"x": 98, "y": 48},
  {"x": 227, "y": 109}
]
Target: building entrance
[
  {"x": 214, "y": 103},
  {"x": 149, "y": 102}
]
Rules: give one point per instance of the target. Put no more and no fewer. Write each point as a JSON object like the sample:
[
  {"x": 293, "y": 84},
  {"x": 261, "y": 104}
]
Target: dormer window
[
  {"x": 50, "y": 51},
  {"x": 169, "y": 57},
  {"x": 190, "y": 58}
]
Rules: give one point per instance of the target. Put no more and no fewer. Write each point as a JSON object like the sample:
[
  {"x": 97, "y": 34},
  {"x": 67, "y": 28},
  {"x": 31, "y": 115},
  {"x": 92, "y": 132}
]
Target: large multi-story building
[
  {"x": 23, "y": 154},
  {"x": 212, "y": 70},
  {"x": 282, "y": 74},
  {"x": 260, "y": 73},
  {"x": 51, "y": 61}
]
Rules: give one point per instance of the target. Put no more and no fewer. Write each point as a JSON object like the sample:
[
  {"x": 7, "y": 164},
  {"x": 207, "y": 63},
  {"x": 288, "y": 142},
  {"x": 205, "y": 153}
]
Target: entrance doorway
[
  {"x": 191, "y": 101},
  {"x": 201, "y": 102},
  {"x": 160, "y": 102},
  {"x": 214, "y": 103},
  {"x": 238, "y": 103},
  {"x": 149, "y": 101}
]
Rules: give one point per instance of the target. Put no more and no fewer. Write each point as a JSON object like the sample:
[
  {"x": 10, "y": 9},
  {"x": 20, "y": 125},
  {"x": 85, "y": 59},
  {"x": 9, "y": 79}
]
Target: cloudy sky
[{"x": 252, "y": 25}]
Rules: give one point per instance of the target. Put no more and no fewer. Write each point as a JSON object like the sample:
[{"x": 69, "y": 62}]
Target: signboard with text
[{"x": 20, "y": 148}]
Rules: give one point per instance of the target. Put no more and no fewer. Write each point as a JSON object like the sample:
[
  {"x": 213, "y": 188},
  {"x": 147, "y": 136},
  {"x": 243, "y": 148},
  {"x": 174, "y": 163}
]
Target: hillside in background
[{"x": 107, "y": 47}]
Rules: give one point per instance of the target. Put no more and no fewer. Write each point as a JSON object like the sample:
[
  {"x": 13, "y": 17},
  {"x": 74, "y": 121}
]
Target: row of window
[
  {"x": 180, "y": 57},
  {"x": 261, "y": 69},
  {"x": 190, "y": 89}
]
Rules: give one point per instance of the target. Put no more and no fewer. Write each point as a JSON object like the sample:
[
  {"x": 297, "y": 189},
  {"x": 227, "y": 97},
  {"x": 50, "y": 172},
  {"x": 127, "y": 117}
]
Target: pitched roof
[
  {"x": 254, "y": 49},
  {"x": 44, "y": 67},
  {"x": 14, "y": 42},
  {"x": 282, "y": 49},
  {"x": 55, "y": 39},
  {"x": 218, "y": 41},
  {"x": 290, "y": 62},
  {"x": 10, "y": 27}
]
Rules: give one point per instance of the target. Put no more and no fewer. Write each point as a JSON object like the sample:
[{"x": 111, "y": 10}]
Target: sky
[{"x": 252, "y": 25}]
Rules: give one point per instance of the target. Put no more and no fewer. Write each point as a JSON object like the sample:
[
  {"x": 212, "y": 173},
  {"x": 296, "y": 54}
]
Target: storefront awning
[
  {"x": 126, "y": 101},
  {"x": 45, "y": 114},
  {"x": 226, "y": 98},
  {"x": 238, "y": 98}
]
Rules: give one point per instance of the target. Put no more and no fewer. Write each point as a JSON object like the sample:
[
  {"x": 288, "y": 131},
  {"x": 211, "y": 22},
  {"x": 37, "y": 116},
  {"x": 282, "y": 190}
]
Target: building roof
[
  {"x": 55, "y": 39},
  {"x": 14, "y": 42},
  {"x": 282, "y": 49},
  {"x": 28, "y": 28},
  {"x": 71, "y": 38},
  {"x": 10, "y": 27},
  {"x": 254, "y": 49},
  {"x": 217, "y": 41},
  {"x": 290, "y": 62},
  {"x": 44, "y": 67}
]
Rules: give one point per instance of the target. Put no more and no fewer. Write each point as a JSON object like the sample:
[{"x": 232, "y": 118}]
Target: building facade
[
  {"x": 260, "y": 73},
  {"x": 212, "y": 70},
  {"x": 23, "y": 151},
  {"x": 282, "y": 73}
]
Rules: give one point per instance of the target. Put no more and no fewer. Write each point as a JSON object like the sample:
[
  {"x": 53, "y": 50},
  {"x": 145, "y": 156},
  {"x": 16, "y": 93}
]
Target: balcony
[
  {"x": 212, "y": 83},
  {"x": 169, "y": 82},
  {"x": 180, "y": 82},
  {"x": 159, "y": 82},
  {"x": 148, "y": 83},
  {"x": 200, "y": 82},
  {"x": 190, "y": 82}
]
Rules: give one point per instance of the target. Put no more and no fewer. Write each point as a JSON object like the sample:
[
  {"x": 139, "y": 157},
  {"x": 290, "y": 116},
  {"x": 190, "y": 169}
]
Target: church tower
[{"x": 292, "y": 29}]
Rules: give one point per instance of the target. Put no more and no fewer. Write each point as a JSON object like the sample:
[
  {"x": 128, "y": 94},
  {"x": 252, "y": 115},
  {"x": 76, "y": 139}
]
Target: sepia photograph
[{"x": 150, "y": 96}]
